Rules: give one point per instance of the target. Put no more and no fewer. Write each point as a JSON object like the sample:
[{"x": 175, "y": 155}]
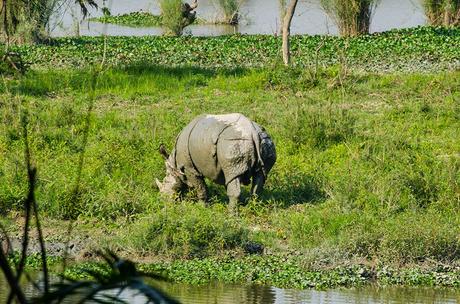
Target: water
[
  {"x": 258, "y": 17},
  {"x": 255, "y": 294}
]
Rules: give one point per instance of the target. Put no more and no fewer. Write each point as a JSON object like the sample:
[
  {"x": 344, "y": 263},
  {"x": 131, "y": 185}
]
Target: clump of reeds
[
  {"x": 230, "y": 10},
  {"x": 353, "y": 17},
  {"x": 176, "y": 15},
  {"x": 442, "y": 12}
]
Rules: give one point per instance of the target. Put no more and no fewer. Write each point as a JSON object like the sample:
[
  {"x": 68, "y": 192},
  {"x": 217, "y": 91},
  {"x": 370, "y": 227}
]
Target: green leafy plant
[{"x": 134, "y": 19}]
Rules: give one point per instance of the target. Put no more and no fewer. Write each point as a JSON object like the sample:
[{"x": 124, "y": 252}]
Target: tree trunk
[{"x": 287, "y": 31}]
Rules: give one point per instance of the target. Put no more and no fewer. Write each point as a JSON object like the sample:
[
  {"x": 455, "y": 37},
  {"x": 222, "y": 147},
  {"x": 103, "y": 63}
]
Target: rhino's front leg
[
  {"x": 258, "y": 182},
  {"x": 198, "y": 184},
  {"x": 234, "y": 193}
]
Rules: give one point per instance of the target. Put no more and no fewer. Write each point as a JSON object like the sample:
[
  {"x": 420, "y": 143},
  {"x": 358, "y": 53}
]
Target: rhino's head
[{"x": 173, "y": 182}]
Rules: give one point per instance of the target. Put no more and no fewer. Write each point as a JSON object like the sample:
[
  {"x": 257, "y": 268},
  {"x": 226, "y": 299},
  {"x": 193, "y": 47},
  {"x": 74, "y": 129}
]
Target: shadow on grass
[
  {"x": 285, "y": 192},
  {"x": 179, "y": 72},
  {"x": 294, "y": 189},
  {"x": 48, "y": 82}
]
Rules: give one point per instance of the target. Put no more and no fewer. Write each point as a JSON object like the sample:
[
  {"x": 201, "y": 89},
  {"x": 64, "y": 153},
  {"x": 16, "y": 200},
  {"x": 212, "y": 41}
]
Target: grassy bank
[
  {"x": 419, "y": 49},
  {"x": 368, "y": 168}
]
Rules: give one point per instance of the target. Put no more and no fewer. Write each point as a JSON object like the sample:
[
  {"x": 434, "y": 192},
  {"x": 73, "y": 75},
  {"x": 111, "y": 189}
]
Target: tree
[{"x": 287, "y": 31}]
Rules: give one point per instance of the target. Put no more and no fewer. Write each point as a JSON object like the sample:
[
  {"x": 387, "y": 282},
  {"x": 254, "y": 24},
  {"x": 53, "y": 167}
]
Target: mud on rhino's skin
[{"x": 228, "y": 149}]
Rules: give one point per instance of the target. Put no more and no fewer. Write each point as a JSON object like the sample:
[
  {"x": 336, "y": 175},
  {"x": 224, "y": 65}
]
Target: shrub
[
  {"x": 173, "y": 18},
  {"x": 442, "y": 12},
  {"x": 353, "y": 17},
  {"x": 188, "y": 230},
  {"x": 229, "y": 10}
]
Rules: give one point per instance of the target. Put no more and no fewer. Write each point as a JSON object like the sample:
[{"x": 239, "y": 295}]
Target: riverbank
[{"x": 367, "y": 176}]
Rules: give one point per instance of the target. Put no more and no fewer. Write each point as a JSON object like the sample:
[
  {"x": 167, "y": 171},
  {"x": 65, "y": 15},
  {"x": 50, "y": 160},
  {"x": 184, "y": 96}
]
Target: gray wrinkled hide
[{"x": 228, "y": 149}]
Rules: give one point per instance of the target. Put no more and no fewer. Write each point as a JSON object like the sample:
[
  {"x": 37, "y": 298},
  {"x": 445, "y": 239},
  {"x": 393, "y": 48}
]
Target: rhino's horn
[{"x": 159, "y": 185}]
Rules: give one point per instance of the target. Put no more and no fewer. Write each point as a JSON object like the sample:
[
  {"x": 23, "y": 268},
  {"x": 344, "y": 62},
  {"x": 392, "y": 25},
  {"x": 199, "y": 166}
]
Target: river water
[
  {"x": 258, "y": 17},
  {"x": 255, "y": 294}
]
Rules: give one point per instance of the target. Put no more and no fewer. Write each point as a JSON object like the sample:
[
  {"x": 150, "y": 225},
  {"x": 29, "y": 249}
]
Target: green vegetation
[
  {"x": 25, "y": 21},
  {"x": 368, "y": 169},
  {"x": 229, "y": 10},
  {"x": 286, "y": 272},
  {"x": 134, "y": 19},
  {"x": 442, "y": 12},
  {"x": 419, "y": 49},
  {"x": 353, "y": 17},
  {"x": 175, "y": 17}
]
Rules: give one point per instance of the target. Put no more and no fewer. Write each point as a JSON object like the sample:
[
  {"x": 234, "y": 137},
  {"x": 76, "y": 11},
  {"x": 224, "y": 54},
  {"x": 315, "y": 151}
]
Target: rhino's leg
[
  {"x": 258, "y": 182},
  {"x": 198, "y": 184},
  {"x": 234, "y": 193}
]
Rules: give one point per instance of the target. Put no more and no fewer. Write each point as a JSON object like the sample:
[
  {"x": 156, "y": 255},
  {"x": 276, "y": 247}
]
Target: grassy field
[{"x": 368, "y": 166}]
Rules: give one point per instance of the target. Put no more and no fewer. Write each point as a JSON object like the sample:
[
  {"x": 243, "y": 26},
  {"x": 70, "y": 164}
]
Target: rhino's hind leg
[
  {"x": 198, "y": 184},
  {"x": 234, "y": 193},
  {"x": 258, "y": 182}
]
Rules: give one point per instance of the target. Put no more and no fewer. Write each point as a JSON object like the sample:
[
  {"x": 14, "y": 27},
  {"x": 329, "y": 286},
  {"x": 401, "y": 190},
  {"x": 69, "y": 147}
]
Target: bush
[
  {"x": 442, "y": 12},
  {"x": 173, "y": 18},
  {"x": 229, "y": 10},
  {"x": 188, "y": 230},
  {"x": 353, "y": 17},
  {"x": 11, "y": 63}
]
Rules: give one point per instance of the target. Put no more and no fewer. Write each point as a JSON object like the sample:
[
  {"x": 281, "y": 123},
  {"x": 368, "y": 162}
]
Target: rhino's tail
[{"x": 256, "y": 140}]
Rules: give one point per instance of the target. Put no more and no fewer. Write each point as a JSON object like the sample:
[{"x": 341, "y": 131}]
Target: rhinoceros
[{"x": 227, "y": 149}]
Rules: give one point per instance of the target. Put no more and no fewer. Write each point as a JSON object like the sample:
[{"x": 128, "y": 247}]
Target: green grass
[
  {"x": 418, "y": 49},
  {"x": 358, "y": 158},
  {"x": 368, "y": 164}
]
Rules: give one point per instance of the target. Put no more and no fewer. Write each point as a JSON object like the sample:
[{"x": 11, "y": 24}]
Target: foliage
[
  {"x": 290, "y": 272},
  {"x": 144, "y": 19},
  {"x": 359, "y": 155},
  {"x": 442, "y": 12},
  {"x": 419, "y": 49},
  {"x": 11, "y": 63},
  {"x": 229, "y": 10},
  {"x": 27, "y": 20},
  {"x": 353, "y": 17},
  {"x": 188, "y": 230},
  {"x": 173, "y": 18}
]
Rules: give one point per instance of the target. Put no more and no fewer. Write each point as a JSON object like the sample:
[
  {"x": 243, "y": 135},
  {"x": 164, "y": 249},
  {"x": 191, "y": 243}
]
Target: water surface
[
  {"x": 255, "y": 294},
  {"x": 258, "y": 17}
]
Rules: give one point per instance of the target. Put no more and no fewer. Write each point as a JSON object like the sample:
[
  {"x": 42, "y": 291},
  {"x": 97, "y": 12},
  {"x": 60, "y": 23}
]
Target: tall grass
[
  {"x": 442, "y": 12},
  {"x": 353, "y": 17},
  {"x": 174, "y": 18},
  {"x": 25, "y": 21},
  {"x": 171, "y": 13},
  {"x": 229, "y": 10}
]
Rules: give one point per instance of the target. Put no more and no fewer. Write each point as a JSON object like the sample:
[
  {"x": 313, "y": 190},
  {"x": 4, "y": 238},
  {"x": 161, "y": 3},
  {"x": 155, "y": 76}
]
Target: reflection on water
[
  {"x": 255, "y": 294},
  {"x": 258, "y": 17},
  {"x": 227, "y": 294}
]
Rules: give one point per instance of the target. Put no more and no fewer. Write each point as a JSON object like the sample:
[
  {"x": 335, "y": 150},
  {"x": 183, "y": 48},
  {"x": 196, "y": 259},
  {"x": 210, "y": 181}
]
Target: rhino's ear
[{"x": 163, "y": 151}]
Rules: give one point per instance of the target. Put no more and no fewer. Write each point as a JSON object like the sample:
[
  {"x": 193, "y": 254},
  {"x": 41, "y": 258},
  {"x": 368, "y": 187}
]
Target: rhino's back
[{"x": 197, "y": 146}]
